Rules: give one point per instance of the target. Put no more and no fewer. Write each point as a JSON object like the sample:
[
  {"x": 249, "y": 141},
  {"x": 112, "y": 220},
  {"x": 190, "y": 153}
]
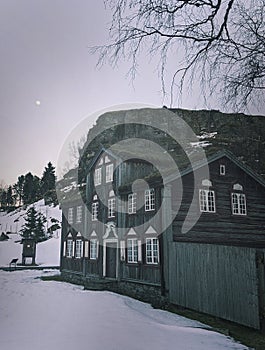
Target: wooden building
[{"x": 131, "y": 237}]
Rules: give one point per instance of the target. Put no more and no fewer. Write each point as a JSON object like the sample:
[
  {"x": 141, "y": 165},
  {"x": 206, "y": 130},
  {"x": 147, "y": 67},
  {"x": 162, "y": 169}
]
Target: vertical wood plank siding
[{"x": 218, "y": 280}]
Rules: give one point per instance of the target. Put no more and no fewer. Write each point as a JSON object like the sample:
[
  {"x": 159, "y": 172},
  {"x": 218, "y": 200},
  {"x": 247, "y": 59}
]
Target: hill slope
[{"x": 48, "y": 252}]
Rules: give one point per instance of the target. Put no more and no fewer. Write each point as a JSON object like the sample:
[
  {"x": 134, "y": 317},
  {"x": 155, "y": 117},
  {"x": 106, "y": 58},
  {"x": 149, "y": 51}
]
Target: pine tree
[
  {"x": 9, "y": 197},
  {"x": 18, "y": 188},
  {"x": 48, "y": 179},
  {"x": 31, "y": 189},
  {"x": 3, "y": 198},
  {"x": 48, "y": 184},
  {"x": 34, "y": 226}
]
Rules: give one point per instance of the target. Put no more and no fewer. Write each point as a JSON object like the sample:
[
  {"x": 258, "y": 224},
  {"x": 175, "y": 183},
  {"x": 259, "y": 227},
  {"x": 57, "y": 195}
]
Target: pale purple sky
[{"x": 44, "y": 56}]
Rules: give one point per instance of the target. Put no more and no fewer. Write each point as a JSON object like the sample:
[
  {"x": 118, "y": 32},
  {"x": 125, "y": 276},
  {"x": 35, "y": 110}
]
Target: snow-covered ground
[
  {"x": 41, "y": 315},
  {"x": 48, "y": 252}
]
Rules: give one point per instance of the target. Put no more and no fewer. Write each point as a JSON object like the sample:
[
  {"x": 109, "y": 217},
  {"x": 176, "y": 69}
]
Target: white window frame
[
  {"x": 111, "y": 207},
  {"x": 70, "y": 215},
  {"x": 152, "y": 250},
  {"x": 132, "y": 250},
  {"x": 93, "y": 249},
  {"x": 109, "y": 172},
  {"x": 239, "y": 205},
  {"x": 79, "y": 248},
  {"x": 79, "y": 212},
  {"x": 94, "y": 211},
  {"x": 149, "y": 199},
  {"x": 207, "y": 201},
  {"x": 69, "y": 248},
  {"x": 97, "y": 176},
  {"x": 132, "y": 203},
  {"x": 222, "y": 169}
]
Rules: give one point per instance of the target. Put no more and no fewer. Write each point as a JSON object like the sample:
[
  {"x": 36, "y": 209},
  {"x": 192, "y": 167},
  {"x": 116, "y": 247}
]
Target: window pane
[
  {"x": 207, "y": 201},
  {"x": 79, "y": 214},
  {"x": 93, "y": 249},
  {"x": 111, "y": 207},
  {"x": 97, "y": 177},
  {"x": 150, "y": 200},
  {"x": 242, "y": 204},
  {"x": 78, "y": 248},
  {"x": 152, "y": 251},
  {"x": 109, "y": 173},
  {"x": 69, "y": 248},
  {"x": 132, "y": 250},
  {"x": 70, "y": 215},
  {"x": 94, "y": 211},
  {"x": 132, "y": 203}
]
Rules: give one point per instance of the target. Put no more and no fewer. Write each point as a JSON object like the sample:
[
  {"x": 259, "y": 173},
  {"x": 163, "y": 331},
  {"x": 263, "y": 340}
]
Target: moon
[{"x": 37, "y": 102}]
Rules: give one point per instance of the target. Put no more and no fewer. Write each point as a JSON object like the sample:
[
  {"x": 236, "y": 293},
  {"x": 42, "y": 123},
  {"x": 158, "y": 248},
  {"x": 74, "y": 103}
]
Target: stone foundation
[{"x": 146, "y": 292}]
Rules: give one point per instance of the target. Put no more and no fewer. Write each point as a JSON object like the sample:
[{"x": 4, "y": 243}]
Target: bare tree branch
[{"x": 221, "y": 43}]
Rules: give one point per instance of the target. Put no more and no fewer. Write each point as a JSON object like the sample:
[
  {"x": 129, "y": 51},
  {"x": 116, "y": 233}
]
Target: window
[
  {"x": 69, "y": 248},
  {"x": 239, "y": 204},
  {"x": 93, "y": 249},
  {"x": 79, "y": 213},
  {"x": 109, "y": 173},
  {"x": 94, "y": 211},
  {"x": 111, "y": 207},
  {"x": 78, "y": 248},
  {"x": 149, "y": 200},
  {"x": 97, "y": 177},
  {"x": 132, "y": 250},
  {"x": 222, "y": 169},
  {"x": 70, "y": 215},
  {"x": 132, "y": 203},
  {"x": 152, "y": 256},
  {"x": 207, "y": 201}
]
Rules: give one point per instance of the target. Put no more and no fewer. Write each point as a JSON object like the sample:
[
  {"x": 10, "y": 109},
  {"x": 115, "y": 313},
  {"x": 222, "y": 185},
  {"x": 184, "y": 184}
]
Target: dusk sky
[{"x": 50, "y": 83}]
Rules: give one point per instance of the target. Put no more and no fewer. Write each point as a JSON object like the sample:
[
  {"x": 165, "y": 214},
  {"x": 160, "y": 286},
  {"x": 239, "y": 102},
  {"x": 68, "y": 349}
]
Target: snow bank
[{"x": 58, "y": 316}]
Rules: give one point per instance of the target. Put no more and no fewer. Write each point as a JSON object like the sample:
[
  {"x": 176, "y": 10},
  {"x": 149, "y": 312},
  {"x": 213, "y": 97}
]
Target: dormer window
[
  {"x": 109, "y": 173},
  {"x": 97, "y": 176},
  {"x": 207, "y": 198},
  {"x": 238, "y": 201}
]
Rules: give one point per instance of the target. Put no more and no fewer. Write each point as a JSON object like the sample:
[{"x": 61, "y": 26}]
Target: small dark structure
[
  {"x": 13, "y": 263},
  {"x": 29, "y": 250},
  {"x": 4, "y": 237}
]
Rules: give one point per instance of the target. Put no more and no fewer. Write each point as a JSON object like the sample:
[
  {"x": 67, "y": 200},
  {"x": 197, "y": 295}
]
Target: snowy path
[{"x": 38, "y": 315}]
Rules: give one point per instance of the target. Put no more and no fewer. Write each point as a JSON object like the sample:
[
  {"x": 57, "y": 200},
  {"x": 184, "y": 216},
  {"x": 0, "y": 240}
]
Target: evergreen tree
[
  {"x": 18, "y": 188},
  {"x": 48, "y": 184},
  {"x": 9, "y": 197},
  {"x": 48, "y": 179},
  {"x": 31, "y": 189},
  {"x": 3, "y": 198},
  {"x": 34, "y": 226}
]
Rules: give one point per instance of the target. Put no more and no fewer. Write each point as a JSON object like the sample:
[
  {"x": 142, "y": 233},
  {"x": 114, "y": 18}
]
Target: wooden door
[{"x": 111, "y": 260}]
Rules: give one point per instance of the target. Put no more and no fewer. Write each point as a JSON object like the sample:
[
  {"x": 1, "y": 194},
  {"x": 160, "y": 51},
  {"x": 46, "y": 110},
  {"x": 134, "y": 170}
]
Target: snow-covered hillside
[
  {"x": 48, "y": 252},
  {"x": 59, "y": 316}
]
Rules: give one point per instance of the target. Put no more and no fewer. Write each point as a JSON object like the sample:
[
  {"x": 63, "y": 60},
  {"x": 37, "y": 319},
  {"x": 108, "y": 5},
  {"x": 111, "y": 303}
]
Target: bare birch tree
[{"x": 220, "y": 43}]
